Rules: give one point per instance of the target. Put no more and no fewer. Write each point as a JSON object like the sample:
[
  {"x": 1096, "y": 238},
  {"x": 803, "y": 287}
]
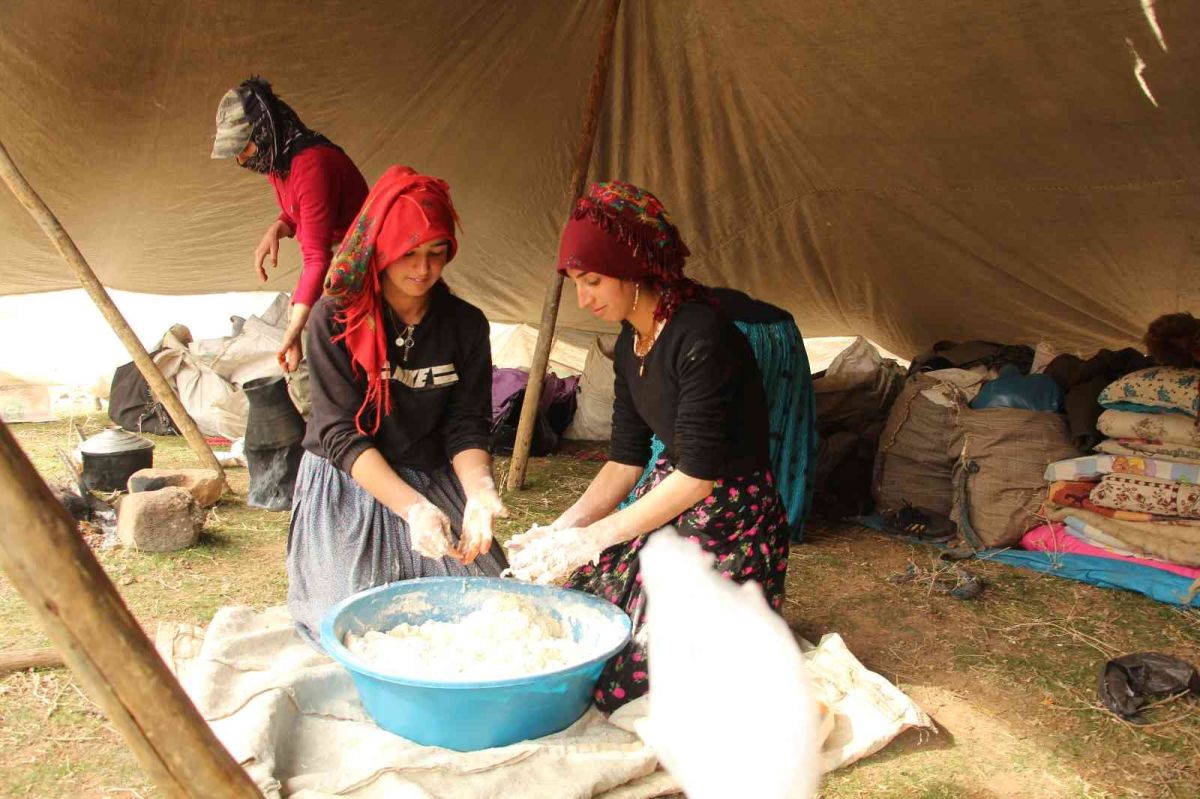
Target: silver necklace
[{"x": 405, "y": 340}]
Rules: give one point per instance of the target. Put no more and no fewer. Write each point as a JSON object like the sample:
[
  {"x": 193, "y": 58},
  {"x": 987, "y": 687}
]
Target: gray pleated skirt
[{"x": 342, "y": 540}]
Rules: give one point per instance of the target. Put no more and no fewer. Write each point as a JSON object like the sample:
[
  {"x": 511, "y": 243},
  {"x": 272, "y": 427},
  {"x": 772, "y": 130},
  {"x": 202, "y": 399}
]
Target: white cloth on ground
[{"x": 292, "y": 717}]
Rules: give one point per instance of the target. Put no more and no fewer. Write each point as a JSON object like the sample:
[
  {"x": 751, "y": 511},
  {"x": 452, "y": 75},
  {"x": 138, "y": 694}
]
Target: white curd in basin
[{"x": 507, "y": 636}]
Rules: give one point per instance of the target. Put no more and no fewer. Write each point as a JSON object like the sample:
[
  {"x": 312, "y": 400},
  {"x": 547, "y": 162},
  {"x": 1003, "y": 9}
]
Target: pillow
[{"x": 1161, "y": 389}]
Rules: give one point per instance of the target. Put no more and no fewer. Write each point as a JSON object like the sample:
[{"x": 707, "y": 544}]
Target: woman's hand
[
  {"x": 291, "y": 353},
  {"x": 429, "y": 530},
  {"x": 483, "y": 508},
  {"x": 269, "y": 247},
  {"x": 548, "y": 555},
  {"x": 531, "y": 536}
]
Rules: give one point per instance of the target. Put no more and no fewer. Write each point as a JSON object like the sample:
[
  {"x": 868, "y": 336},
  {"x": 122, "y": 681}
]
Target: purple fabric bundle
[{"x": 508, "y": 383}]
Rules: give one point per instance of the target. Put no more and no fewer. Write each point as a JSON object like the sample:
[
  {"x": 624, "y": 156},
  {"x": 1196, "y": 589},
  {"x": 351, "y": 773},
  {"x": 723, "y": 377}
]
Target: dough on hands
[
  {"x": 429, "y": 531},
  {"x": 547, "y": 555}
]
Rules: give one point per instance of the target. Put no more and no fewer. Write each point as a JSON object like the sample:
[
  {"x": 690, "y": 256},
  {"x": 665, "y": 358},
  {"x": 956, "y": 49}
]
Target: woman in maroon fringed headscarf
[
  {"x": 396, "y": 479},
  {"x": 685, "y": 373}
]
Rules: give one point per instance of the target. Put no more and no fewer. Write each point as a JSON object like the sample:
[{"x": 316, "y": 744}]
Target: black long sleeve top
[
  {"x": 441, "y": 393},
  {"x": 701, "y": 393}
]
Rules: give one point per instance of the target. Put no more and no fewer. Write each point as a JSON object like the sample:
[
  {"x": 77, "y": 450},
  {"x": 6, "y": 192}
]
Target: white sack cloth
[
  {"x": 293, "y": 719},
  {"x": 200, "y": 389},
  {"x": 593, "y": 410}
]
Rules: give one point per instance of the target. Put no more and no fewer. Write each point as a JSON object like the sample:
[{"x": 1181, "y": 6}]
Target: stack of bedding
[{"x": 1138, "y": 497}]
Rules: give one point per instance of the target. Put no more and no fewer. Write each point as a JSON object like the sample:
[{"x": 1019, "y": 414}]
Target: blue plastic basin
[{"x": 467, "y": 716}]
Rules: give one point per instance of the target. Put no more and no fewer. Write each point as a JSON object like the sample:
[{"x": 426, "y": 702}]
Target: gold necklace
[{"x": 637, "y": 338}]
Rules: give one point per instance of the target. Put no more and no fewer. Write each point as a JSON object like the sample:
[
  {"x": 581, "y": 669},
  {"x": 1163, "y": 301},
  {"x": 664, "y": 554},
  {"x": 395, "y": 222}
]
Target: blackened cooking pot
[{"x": 111, "y": 457}]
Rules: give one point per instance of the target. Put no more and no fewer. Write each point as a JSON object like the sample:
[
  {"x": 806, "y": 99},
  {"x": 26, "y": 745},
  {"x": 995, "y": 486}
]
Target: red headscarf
[
  {"x": 403, "y": 210},
  {"x": 622, "y": 231}
]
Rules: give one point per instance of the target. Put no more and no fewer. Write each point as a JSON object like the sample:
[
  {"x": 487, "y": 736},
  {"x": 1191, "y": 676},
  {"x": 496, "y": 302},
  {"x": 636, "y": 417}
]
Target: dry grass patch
[{"x": 1010, "y": 677}]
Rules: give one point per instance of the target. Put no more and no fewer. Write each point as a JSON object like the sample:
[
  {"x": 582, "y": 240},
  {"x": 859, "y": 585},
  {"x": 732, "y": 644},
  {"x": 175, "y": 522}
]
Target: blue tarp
[
  {"x": 1105, "y": 572},
  {"x": 1159, "y": 585}
]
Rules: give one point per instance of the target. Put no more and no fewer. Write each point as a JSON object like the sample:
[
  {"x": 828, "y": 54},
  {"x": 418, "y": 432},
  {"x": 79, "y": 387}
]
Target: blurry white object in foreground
[
  {"x": 732, "y": 710},
  {"x": 236, "y": 456}
]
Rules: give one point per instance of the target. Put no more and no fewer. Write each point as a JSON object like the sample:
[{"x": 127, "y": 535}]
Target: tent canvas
[{"x": 1011, "y": 171}]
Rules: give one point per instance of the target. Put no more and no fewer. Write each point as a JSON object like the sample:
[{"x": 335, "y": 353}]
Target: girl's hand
[
  {"x": 480, "y": 515},
  {"x": 429, "y": 530}
]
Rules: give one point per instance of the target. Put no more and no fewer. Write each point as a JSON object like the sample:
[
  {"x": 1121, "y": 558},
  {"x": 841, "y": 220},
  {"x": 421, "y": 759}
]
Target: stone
[
  {"x": 160, "y": 521},
  {"x": 204, "y": 484}
]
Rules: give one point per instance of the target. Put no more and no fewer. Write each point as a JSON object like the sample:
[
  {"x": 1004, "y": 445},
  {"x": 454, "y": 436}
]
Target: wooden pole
[
  {"x": 21, "y": 659},
  {"x": 583, "y": 157},
  {"x": 99, "y": 639},
  {"x": 87, "y": 278}
]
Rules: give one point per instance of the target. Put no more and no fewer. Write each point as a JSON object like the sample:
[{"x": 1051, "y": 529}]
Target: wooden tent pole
[
  {"x": 87, "y": 278},
  {"x": 22, "y": 659},
  {"x": 583, "y": 157},
  {"x": 66, "y": 588}
]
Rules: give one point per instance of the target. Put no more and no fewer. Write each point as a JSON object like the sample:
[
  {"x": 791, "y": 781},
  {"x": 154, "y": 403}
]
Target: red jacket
[{"x": 319, "y": 199}]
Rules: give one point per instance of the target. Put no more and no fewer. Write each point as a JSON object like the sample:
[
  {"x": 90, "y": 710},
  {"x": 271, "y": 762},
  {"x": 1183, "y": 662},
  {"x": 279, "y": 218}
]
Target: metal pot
[
  {"x": 273, "y": 421},
  {"x": 111, "y": 457},
  {"x": 274, "y": 430}
]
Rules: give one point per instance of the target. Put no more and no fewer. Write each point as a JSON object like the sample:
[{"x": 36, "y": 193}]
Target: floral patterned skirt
[{"x": 743, "y": 523}]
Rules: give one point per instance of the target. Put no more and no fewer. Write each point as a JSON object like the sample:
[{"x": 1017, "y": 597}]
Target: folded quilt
[
  {"x": 1165, "y": 427},
  {"x": 1174, "y": 542},
  {"x": 1095, "y": 466},
  {"x": 1159, "y": 450},
  {"x": 1057, "y": 538},
  {"x": 1078, "y": 494},
  {"x": 1148, "y": 495}
]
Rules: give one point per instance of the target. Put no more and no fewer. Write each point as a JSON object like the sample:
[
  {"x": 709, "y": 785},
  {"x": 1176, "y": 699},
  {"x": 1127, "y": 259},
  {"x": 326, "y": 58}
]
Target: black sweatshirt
[
  {"x": 441, "y": 395},
  {"x": 701, "y": 394}
]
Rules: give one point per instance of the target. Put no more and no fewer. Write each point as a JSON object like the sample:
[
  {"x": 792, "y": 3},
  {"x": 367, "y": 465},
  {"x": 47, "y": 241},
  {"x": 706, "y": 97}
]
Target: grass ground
[{"x": 1010, "y": 678}]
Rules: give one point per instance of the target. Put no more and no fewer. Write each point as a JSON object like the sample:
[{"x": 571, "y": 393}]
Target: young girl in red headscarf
[
  {"x": 396, "y": 479},
  {"x": 685, "y": 373}
]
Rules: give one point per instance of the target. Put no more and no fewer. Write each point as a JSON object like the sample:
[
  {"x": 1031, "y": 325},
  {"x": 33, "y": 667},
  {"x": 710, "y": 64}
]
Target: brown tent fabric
[{"x": 910, "y": 172}]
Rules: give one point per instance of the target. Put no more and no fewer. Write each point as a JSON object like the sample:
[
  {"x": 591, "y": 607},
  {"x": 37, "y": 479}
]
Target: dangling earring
[{"x": 637, "y": 289}]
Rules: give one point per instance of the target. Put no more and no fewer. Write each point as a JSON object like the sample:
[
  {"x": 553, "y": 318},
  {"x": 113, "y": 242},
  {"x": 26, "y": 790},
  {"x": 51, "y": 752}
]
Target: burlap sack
[
  {"x": 998, "y": 475},
  {"x": 916, "y": 452}
]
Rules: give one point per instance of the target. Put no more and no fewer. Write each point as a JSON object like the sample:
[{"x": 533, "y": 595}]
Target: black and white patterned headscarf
[{"x": 278, "y": 133}]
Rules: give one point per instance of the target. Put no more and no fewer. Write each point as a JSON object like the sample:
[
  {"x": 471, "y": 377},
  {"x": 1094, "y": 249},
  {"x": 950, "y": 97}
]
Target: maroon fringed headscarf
[
  {"x": 403, "y": 210},
  {"x": 622, "y": 231}
]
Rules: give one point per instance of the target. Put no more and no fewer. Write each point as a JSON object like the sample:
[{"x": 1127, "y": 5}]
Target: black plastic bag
[
  {"x": 545, "y": 437},
  {"x": 132, "y": 405},
  {"x": 1130, "y": 682}
]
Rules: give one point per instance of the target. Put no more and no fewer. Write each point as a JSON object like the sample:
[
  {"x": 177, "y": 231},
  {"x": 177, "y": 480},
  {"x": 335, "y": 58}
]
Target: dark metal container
[
  {"x": 273, "y": 420},
  {"x": 274, "y": 430},
  {"x": 111, "y": 457}
]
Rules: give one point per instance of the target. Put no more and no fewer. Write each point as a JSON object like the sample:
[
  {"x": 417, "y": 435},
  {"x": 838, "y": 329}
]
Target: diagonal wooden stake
[
  {"x": 583, "y": 157},
  {"x": 100, "y": 640},
  {"x": 91, "y": 284}
]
